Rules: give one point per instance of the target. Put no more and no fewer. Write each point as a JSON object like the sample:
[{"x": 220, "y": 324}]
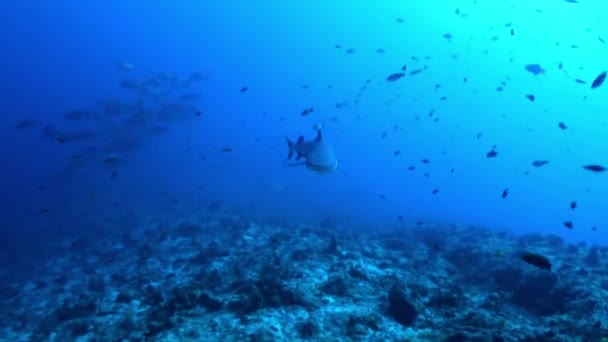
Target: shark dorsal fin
[{"x": 319, "y": 136}]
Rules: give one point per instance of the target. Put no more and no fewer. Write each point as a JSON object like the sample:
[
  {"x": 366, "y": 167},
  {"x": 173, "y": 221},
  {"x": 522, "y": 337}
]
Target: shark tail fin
[{"x": 292, "y": 148}]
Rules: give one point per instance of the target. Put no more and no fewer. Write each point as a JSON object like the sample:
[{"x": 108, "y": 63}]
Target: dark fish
[
  {"x": 114, "y": 174},
  {"x": 307, "y": 111},
  {"x": 396, "y": 152},
  {"x": 60, "y": 140},
  {"x": 572, "y": 1},
  {"x": 394, "y": 77},
  {"x": 383, "y": 135},
  {"x": 400, "y": 218},
  {"x": 568, "y": 224},
  {"x": 539, "y": 163},
  {"x": 382, "y": 197},
  {"x": 535, "y": 69},
  {"x": 198, "y": 113},
  {"x": 531, "y": 97},
  {"x": 505, "y": 193},
  {"x": 25, "y": 123},
  {"x": 340, "y": 104},
  {"x": 350, "y": 51},
  {"x": 598, "y": 80},
  {"x": 404, "y": 68},
  {"x": 425, "y": 161},
  {"x": 380, "y": 50},
  {"x": 491, "y": 154},
  {"x": 479, "y": 135},
  {"x": 512, "y": 32},
  {"x": 244, "y": 89},
  {"x": 411, "y": 168},
  {"x": 595, "y": 168},
  {"x": 42, "y": 212},
  {"x": 562, "y": 125},
  {"x": 417, "y": 71},
  {"x": 399, "y": 20},
  {"x": 579, "y": 81},
  {"x": 435, "y": 191},
  {"x": 227, "y": 149},
  {"x": 601, "y": 40},
  {"x": 537, "y": 260},
  {"x": 448, "y": 36},
  {"x": 573, "y": 205}
]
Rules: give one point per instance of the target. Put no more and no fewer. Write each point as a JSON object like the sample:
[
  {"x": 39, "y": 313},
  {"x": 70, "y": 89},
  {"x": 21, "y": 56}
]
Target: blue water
[
  {"x": 333, "y": 56},
  {"x": 63, "y": 56}
]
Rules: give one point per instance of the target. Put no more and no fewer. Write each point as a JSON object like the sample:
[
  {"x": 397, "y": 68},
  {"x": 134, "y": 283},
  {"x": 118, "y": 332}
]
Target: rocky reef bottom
[{"x": 224, "y": 278}]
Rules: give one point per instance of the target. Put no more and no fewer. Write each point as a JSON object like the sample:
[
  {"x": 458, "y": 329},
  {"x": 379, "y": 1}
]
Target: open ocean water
[{"x": 319, "y": 170}]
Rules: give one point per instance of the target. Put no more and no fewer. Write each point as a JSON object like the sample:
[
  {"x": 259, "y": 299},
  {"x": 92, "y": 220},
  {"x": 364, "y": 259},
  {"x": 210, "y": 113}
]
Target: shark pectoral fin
[{"x": 344, "y": 171}]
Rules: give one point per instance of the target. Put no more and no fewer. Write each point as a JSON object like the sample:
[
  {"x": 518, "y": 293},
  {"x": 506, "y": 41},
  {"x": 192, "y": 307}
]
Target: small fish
[
  {"x": 448, "y": 36},
  {"x": 395, "y": 76},
  {"x": 380, "y": 50},
  {"x": 573, "y": 205},
  {"x": 435, "y": 191},
  {"x": 25, "y": 123},
  {"x": 598, "y": 80},
  {"x": 244, "y": 89},
  {"x": 531, "y": 97},
  {"x": 411, "y": 168},
  {"x": 425, "y": 161},
  {"x": 491, "y": 154},
  {"x": 397, "y": 152},
  {"x": 399, "y": 20},
  {"x": 572, "y": 1},
  {"x": 579, "y": 81},
  {"x": 198, "y": 113},
  {"x": 562, "y": 125},
  {"x": 537, "y": 260},
  {"x": 535, "y": 69},
  {"x": 383, "y": 135},
  {"x": 350, "y": 51},
  {"x": 539, "y": 163},
  {"x": 595, "y": 168},
  {"x": 114, "y": 174},
  {"x": 512, "y": 32},
  {"x": 404, "y": 68},
  {"x": 568, "y": 224},
  {"x": 60, "y": 140},
  {"x": 382, "y": 196},
  {"x": 505, "y": 193},
  {"x": 227, "y": 149},
  {"x": 400, "y": 218},
  {"x": 307, "y": 111},
  {"x": 417, "y": 71},
  {"x": 42, "y": 212}
]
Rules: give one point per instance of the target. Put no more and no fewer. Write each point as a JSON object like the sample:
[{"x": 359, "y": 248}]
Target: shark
[{"x": 318, "y": 155}]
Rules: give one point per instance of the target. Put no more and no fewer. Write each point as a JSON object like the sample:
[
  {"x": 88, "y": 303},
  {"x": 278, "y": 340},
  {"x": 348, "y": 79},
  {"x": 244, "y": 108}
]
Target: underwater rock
[
  {"x": 307, "y": 330},
  {"x": 336, "y": 286},
  {"x": 400, "y": 308},
  {"x": 592, "y": 259},
  {"x": 540, "y": 294}
]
